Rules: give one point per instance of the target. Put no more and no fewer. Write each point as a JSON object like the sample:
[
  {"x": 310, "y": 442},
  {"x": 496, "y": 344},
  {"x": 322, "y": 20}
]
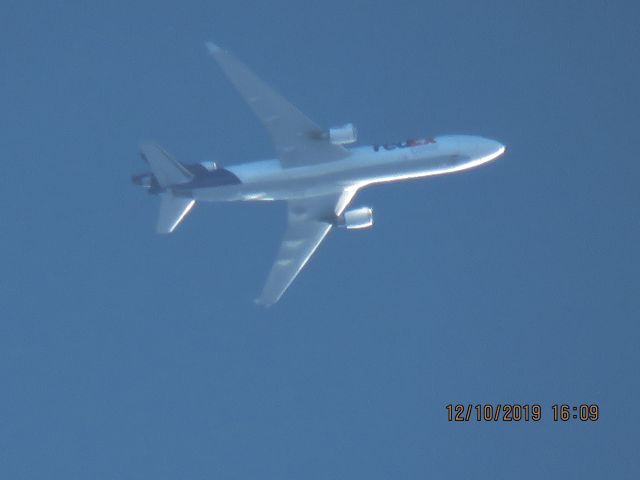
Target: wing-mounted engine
[
  {"x": 343, "y": 135},
  {"x": 356, "y": 218}
]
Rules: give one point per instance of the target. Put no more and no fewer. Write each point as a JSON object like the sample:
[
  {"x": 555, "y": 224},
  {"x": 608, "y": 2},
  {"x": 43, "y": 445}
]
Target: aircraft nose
[
  {"x": 491, "y": 148},
  {"x": 473, "y": 147}
]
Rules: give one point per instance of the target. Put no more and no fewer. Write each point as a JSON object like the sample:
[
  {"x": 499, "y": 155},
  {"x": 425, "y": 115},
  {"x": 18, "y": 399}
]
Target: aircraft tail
[
  {"x": 167, "y": 170},
  {"x": 172, "y": 211}
]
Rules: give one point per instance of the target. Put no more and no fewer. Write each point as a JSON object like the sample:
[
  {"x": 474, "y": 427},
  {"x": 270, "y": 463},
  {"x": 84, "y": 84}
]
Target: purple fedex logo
[{"x": 412, "y": 142}]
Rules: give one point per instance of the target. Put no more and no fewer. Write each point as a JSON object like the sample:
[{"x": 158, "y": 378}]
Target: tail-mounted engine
[
  {"x": 343, "y": 135},
  {"x": 356, "y": 218},
  {"x": 147, "y": 181}
]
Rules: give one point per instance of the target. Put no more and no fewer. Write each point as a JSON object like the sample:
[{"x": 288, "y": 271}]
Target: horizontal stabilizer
[
  {"x": 166, "y": 169},
  {"x": 172, "y": 211}
]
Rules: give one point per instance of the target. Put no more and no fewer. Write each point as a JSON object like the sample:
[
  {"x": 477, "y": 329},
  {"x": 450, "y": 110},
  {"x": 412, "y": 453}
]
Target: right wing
[
  {"x": 297, "y": 139},
  {"x": 309, "y": 221}
]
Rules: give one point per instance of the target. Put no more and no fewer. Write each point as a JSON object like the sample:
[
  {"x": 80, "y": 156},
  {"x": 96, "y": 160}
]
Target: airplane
[{"x": 313, "y": 171}]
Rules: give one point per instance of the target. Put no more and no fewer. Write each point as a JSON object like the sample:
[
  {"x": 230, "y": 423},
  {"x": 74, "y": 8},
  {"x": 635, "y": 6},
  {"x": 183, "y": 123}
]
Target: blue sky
[{"x": 124, "y": 354}]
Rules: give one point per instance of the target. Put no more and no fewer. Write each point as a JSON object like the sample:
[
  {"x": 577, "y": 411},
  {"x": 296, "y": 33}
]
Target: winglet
[
  {"x": 262, "y": 303},
  {"x": 212, "y": 47}
]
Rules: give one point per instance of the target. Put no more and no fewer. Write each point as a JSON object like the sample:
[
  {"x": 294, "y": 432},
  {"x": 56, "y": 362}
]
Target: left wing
[
  {"x": 297, "y": 139},
  {"x": 309, "y": 221}
]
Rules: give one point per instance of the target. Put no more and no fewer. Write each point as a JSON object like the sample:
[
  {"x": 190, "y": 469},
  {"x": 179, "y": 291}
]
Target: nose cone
[
  {"x": 490, "y": 149},
  {"x": 472, "y": 144},
  {"x": 473, "y": 149}
]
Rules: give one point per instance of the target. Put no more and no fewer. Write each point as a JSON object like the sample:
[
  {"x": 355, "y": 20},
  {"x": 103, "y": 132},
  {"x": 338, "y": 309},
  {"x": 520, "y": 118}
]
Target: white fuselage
[{"x": 366, "y": 165}]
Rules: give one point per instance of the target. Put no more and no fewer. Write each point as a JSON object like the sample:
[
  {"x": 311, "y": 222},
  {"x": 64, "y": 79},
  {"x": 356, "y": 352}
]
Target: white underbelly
[{"x": 266, "y": 180}]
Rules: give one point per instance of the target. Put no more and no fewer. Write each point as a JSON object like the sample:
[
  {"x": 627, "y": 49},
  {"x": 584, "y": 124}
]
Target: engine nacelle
[
  {"x": 209, "y": 165},
  {"x": 357, "y": 218},
  {"x": 343, "y": 135}
]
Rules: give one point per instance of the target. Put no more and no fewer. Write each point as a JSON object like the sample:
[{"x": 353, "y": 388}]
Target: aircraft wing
[
  {"x": 309, "y": 221},
  {"x": 297, "y": 139}
]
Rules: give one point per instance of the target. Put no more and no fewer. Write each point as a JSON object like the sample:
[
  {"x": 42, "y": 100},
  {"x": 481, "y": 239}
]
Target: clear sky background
[{"x": 124, "y": 354}]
